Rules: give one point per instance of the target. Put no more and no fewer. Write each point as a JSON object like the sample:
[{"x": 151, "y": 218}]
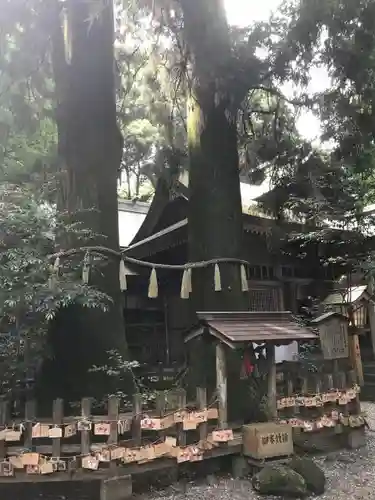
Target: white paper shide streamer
[{"x": 122, "y": 276}]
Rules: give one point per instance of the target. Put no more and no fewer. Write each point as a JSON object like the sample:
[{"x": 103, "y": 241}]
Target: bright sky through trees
[{"x": 243, "y": 12}]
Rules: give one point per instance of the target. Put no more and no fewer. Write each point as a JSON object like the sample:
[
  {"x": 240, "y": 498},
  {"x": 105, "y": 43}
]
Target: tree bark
[
  {"x": 215, "y": 211},
  {"x": 90, "y": 151}
]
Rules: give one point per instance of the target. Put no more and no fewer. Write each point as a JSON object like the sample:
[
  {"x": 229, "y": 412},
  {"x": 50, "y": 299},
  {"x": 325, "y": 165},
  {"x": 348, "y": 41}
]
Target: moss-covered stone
[
  {"x": 279, "y": 480},
  {"x": 312, "y": 474}
]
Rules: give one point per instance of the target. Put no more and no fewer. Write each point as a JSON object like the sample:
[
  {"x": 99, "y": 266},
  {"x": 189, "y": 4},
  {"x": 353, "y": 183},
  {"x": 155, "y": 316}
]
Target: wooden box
[{"x": 267, "y": 440}]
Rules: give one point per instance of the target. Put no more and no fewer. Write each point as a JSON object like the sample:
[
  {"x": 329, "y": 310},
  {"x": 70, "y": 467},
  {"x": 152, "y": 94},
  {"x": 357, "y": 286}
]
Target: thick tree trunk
[
  {"x": 215, "y": 216},
  {"x": 215, "y": 211},
  {"x": 90, "y": 150}
]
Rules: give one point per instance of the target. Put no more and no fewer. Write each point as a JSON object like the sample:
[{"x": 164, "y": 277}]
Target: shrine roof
[
  {"x": 164, "y": 226},
  {"x": 346, "y": 296},
  {"x": 234, "y": 328}
]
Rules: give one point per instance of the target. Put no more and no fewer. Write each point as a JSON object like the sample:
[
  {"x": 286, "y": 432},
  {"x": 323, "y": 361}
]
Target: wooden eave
[{"x": 239, "y": 328}]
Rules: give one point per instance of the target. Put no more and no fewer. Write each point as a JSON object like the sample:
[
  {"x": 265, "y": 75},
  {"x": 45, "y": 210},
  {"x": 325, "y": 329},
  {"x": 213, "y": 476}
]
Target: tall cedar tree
[
  {"x": 215, "y": 212},
  {"x": 90, "y": 151}
]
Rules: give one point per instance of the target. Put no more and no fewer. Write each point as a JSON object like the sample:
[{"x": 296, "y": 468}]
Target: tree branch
[{"x": 295, "y": 102}]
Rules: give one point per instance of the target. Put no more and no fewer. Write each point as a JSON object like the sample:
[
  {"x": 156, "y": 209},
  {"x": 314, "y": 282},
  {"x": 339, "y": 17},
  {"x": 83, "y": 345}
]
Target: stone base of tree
[{"x": 240, "y": 466}]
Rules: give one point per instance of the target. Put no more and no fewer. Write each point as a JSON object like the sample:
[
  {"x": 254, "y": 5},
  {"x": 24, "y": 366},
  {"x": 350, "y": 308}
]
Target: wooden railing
[
  {"x": 174, "y": 430},
  {"x": 324, "y": 398}
]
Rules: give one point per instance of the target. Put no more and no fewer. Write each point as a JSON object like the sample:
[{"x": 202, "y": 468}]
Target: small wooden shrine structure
[
  {"x": 340, "y": 341},
  {"x": 239, "y": 329},
  {"x": 320, "y": 406},
  {"x": 333, "y": 334}
]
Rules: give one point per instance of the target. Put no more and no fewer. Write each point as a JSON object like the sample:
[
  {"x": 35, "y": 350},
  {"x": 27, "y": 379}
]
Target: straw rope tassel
[
  {"x": 244, "y": 283},
  {"x": 217, "y": 278},
  {"x": 153, "y": 289},
  {"x": 186, "y": 284},
  {"x": 86, "y": 269},
  {"x": 122, "y": 276}
]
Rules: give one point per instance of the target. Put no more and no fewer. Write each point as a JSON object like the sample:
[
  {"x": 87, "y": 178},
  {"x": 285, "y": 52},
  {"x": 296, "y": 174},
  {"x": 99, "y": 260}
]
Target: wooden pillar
[
  {"x": 355, "y": 357},
  {"x": 271, "y": 385},
  {"x": 221, "y": 385}
]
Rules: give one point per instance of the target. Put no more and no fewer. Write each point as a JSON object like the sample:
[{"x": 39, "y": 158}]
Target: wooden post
[
  {"x": 113, "y": 406},
  {"x": 137, "y": 417},
  {"x": 352, "y": 380},
  {"x": 181, "y": 434},
  {"x": 304, "y": 392},
  {"x": 57, "y": 416},
  {"x": 271, "y": 386},
  {"x": 160, "y": 408},
  {"x": 221, "y": 385},
  {"x": 4, "y": 415},
  {"x": 290, "y": 390},
  {"x": 202, "y": 405},
  {"x": 355, "y": 357},
  {"x": 318, "y": 390},
  {"x": 343, "y": 385},
  {"x": 30, "y": 412},
  {"x": 86, "y": 435}
]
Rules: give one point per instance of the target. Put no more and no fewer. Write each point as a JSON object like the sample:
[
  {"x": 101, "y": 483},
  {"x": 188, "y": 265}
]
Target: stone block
[
  {"x": 116, "y": 488},
  {"x": 240, "y": 466},
  {"x": 356, "y": 438}
]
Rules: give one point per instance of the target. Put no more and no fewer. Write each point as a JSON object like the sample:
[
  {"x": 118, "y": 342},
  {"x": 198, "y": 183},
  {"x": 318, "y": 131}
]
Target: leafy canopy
[{"x": 27, "y": 302}]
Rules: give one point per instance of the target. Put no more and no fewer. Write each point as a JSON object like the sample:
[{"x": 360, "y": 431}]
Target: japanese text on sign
[{"x": 275, "y": 438}]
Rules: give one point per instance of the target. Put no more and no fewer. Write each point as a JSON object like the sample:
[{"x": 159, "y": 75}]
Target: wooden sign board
[
  {"x": 334, "y": 340},
  {"x": 267, "y": 440}
]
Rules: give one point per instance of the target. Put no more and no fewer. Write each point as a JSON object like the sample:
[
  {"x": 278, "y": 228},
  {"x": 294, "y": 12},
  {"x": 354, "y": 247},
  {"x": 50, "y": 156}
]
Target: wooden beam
[
  {"x": 271, "y": 382},
  {"x": 221, "y": 385}
]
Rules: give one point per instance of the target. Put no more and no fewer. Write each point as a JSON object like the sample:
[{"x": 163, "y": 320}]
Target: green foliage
[
  {"x": 151, "y": 108},
  {"x": 25, "y": 82},
  {"x": 153, "y": 61},
  {"x": 118, "y": 372},
  {"x": 339, "y": 34},
  {"x": 27, "y": 303},
  {"x": 328, "y": 190}
]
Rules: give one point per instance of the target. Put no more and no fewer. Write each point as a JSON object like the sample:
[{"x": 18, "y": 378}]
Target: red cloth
[{"x": 248, "y": 366}]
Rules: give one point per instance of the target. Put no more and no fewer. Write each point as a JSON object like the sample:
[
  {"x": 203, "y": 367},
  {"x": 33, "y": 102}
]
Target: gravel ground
[{"x": 349, "y": 474}]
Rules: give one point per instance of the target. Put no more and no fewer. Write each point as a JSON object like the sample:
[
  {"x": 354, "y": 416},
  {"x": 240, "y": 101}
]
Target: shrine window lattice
[{"x": 266, "y": 299}]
